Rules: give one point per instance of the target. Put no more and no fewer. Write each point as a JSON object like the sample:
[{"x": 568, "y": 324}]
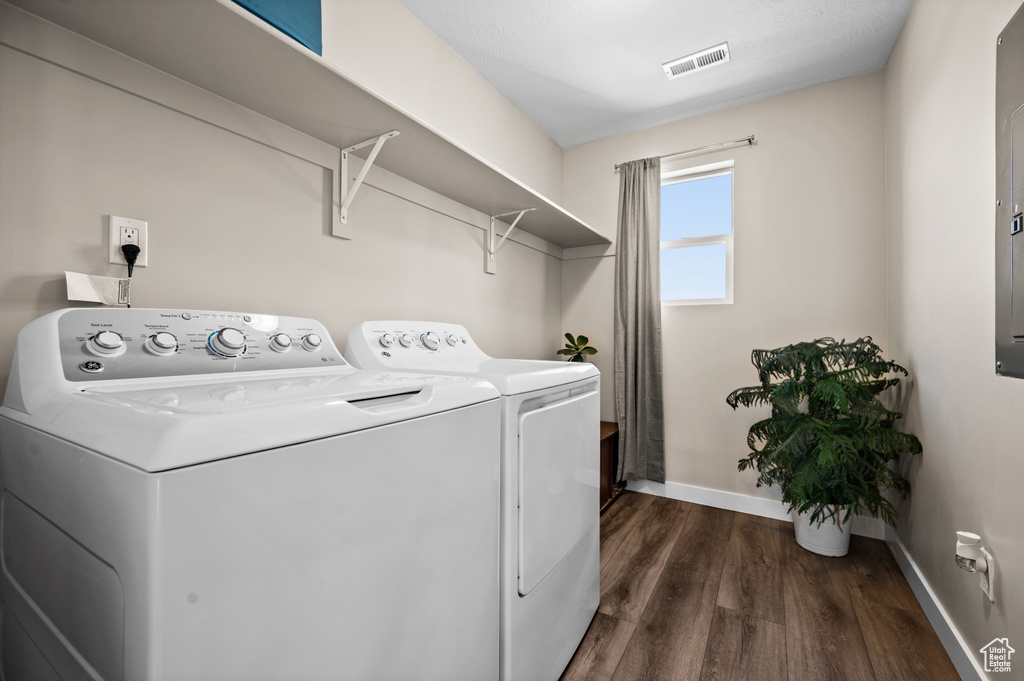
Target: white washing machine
[
  {"x": 550, "y": 515},
  {"x": 213, "y": 496}
]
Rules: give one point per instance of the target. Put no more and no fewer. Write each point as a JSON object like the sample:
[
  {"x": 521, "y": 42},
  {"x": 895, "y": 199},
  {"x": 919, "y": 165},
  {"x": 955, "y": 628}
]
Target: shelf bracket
[
  {"x": 347, "y": 194},
  {"x": 491, "y": 248}
]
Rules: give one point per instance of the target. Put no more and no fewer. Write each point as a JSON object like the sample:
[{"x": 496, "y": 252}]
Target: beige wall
[
  {"x": 587, "y": 285},
  {"x": 809, "y": 255},
  {"x": 234, "y": 224},
  {"x": 386, "y": 48},
  {"x": 940, "y": 163}
]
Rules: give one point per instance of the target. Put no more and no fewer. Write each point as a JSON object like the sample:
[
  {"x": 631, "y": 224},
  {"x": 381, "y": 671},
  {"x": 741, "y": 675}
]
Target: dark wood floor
[{"x": 694, "y": 593}]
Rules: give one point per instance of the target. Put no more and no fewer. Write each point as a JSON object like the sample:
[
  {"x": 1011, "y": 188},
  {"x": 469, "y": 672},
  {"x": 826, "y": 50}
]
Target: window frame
[{"x": 676, "y": 175}]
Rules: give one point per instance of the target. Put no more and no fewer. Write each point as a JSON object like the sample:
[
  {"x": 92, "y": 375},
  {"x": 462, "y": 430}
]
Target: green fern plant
[
  {"x": 829, "y": 439},
  {"x": 577, "y": 348}
]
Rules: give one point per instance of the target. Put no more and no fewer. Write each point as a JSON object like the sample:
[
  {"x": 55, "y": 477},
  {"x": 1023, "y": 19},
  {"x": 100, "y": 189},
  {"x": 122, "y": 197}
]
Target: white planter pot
[{"x": 827, "y": 539}]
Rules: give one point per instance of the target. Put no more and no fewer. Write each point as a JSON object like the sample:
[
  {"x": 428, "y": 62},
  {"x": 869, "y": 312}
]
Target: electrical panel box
[{"x": 1010, "y": 199}]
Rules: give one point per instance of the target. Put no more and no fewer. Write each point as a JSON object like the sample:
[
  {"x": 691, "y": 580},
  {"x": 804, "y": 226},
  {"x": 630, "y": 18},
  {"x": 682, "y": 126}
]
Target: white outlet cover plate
[
  {"x": 114, "y": 240},
  {"x": 988, "y": 578}
]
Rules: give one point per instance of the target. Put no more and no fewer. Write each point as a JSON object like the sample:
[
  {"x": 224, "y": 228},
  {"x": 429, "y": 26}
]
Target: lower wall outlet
[{"x": 128, "y": 231}]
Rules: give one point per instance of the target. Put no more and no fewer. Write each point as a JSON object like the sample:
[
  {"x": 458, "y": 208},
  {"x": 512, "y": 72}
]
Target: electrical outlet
[
  {"x": 988, "y": 578},
  {"x": 128, "y": 231}
]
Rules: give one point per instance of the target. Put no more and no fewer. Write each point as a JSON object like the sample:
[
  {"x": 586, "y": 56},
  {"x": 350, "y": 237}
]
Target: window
[{"x": 696, "y": 235}]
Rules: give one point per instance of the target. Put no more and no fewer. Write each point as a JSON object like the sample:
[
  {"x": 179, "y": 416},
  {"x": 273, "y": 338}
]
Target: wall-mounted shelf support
[
  {"x": 492, "y": 249},
  {"x": 312, "y": 96},
  {"x": 348, "y": 194}
]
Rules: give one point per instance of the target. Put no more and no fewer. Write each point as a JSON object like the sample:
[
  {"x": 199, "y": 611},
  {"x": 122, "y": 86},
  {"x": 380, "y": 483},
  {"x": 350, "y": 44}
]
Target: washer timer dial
[
  {"x": 430, "y": 340},
  {"x": 228, "y": 342}
]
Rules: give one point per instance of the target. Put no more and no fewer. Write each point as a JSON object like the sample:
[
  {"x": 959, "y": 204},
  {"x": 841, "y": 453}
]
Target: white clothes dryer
[
  {"x": 190, "y": 495},
  {"x": 550, "y": 469}
]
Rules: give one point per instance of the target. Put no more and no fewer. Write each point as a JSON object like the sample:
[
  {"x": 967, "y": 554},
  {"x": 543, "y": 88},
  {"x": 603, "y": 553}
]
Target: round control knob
[
  {"x": 405, "y": 339},
  {"x": 228, "y": 342},
  {"x": 281, "y": 342},
  {"x": 452, "y": 339},
  {"x": 430, "y": 340},
  {"x": 312, "y": 342},
  {"x": 106, "y": 344},
  {"x": 162, "y": 343},
  {"x": 387, "y": 340}
]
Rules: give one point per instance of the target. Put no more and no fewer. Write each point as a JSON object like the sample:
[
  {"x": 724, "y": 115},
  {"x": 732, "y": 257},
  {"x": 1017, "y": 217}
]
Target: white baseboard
[
  {"x": 742, "y": 503},
  {"x": 964, "y": 659}
]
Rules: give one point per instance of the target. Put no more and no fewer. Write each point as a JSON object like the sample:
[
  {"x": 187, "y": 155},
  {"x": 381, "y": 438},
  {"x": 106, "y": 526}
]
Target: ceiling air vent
[{"x": 698, "y": 61}]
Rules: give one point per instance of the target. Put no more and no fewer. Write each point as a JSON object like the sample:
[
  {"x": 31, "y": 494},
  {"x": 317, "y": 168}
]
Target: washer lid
[{"x": 171, "y": 425}]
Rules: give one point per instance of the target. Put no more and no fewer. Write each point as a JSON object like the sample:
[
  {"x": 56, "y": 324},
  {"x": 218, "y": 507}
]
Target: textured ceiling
[{"x": 588, "y": 69}]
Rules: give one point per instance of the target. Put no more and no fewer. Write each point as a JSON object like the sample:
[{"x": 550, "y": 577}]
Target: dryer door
[{"x": 559, "y": 470}]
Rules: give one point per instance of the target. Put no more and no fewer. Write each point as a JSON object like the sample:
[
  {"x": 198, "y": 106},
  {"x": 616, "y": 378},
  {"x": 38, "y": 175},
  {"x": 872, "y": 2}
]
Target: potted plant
[
  {"x": 829, "y": 439},
  {"x": 577, "y": 348}
]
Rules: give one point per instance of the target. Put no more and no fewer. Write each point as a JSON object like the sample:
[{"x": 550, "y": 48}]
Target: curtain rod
[{"x": 748, "y": 140}]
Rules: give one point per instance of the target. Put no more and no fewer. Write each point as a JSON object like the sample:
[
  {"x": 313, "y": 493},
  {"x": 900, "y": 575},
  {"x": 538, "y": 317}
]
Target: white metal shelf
[{"x": 213, "y": 47}]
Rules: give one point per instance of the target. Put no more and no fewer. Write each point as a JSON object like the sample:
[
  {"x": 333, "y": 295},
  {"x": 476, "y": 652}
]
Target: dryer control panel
[
  {"x": 444, "y": 348},
  {"x": 405, "y": 343},
  {"x": 125, "y": 343}
]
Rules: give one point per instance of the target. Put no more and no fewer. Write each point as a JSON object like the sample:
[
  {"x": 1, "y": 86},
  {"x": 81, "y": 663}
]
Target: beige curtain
[{"x": 638, "y": 401}]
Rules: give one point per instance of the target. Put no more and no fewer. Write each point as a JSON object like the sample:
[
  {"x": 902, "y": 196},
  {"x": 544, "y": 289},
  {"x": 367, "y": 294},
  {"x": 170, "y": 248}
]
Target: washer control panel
[{"x": 119, "y": 343}]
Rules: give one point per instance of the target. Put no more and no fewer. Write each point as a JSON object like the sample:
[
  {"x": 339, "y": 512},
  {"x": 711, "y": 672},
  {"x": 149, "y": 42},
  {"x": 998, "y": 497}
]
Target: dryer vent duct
[{"x": 698, "y": 61}]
